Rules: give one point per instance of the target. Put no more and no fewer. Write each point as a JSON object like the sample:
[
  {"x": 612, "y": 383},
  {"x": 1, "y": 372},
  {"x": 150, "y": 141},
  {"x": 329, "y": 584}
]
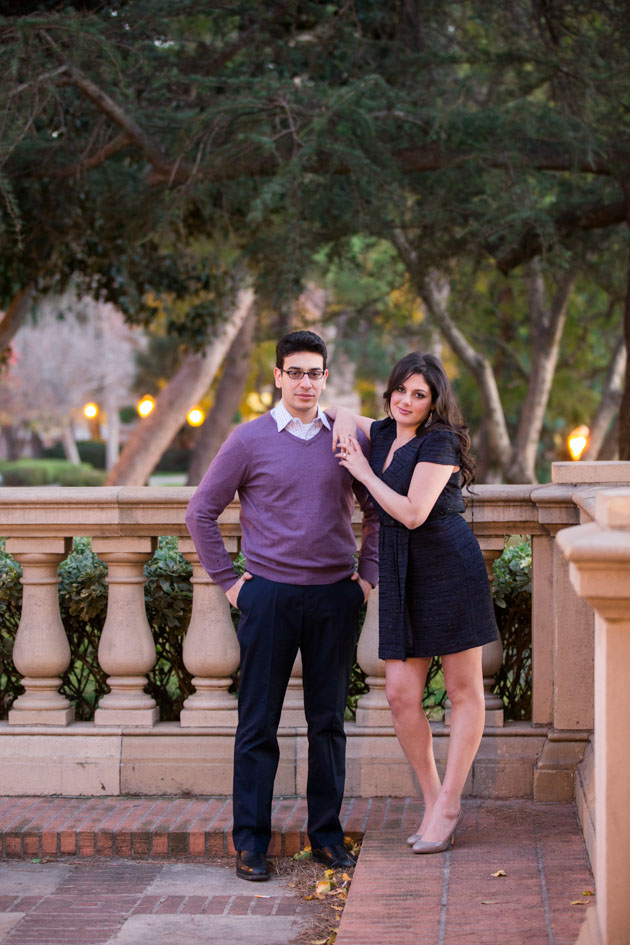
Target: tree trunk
[
  {"x": 229, "y": 394},
  {"x": 434, "y": 291},
  {"x": 152, "y": 436},
  {"x": 70, "y": 444},
  {"x": 609, "y": 404},
  {"x": 14, "y": 316},
  {"x": 624, "y": 409},
  {"x": 547, "y": 325}
]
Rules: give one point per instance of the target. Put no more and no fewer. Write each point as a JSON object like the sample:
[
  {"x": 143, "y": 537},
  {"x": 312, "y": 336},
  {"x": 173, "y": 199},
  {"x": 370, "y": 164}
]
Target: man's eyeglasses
[{"x": 296, "y": 374}]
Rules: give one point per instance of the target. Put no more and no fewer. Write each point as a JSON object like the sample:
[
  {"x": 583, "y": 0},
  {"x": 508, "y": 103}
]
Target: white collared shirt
[{"x": 303, "y": 431}]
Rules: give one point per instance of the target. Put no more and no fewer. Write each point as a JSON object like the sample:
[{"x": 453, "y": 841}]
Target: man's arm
[{"x": 216, "y": 490}]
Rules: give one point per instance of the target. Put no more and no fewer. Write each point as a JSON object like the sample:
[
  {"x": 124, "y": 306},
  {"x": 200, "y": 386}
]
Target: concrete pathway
[{"x": 126, "y": 902}]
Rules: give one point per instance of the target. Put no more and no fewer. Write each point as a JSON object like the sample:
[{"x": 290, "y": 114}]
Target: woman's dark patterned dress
[{"x": 434, "y": 591}]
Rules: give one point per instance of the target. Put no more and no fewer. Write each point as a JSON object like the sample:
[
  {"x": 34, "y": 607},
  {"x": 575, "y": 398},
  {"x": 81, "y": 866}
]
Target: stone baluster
[
  {"x": 41, "y": 652},
  {"x": 492, "y": 653},
  {"x": 293, "y": 707},
  {"x": 373, "y": 707},
  {"x": 126, "y": 650},
  {"x": 211, "y": 650}
]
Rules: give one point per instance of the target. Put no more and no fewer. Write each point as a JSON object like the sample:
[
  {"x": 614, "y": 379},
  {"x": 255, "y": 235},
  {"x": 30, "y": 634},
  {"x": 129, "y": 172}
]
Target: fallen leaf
[
  {"x": 499, "y": 873},
  {"x": 37, "y": 860},
  {"x": 490, "y": 902},
  {"x": 341, "y": 893},
  {"x": 329, "y": 873},
  {"x": 588, "y": 892},
  {"x": 303, "y": 854},
  {"x": 259, "y": 896},
  {"x": 320, "y": 941},
  {"x": 346, "y": 878},
  {"x": 579, "y": 902},
  {"x": 292, "y": 885},
  {"x": 322, "y": 888}
]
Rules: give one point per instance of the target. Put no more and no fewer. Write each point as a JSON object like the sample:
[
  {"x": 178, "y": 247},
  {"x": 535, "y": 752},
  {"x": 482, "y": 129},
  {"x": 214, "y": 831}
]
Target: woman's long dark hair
[{"x": 445, "y": 412}]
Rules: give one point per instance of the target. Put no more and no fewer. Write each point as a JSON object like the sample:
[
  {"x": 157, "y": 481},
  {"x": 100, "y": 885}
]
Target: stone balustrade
[{"x": 127, "y": 749}]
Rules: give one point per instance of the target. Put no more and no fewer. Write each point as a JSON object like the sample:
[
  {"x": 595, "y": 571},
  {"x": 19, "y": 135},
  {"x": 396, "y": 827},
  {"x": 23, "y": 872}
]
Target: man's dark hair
[{"x": 297, "y": 341}]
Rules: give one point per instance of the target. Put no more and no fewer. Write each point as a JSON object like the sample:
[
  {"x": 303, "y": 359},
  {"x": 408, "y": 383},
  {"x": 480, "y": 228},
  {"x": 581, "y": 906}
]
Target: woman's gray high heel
[
  {"x": 414, "y": 838},
  {"x": 438, "y": 846}
]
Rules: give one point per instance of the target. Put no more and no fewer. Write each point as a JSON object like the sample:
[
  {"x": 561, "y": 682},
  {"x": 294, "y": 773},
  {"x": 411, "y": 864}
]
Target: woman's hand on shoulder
[
  {"x": 343, "y": 428},
  {"x": 346, "y": 425}
]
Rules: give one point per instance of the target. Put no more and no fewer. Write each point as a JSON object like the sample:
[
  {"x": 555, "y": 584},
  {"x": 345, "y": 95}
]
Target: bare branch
[{"x": 119, "y": 143}]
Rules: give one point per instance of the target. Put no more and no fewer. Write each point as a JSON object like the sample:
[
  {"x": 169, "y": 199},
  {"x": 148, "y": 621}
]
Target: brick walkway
[{"x": 112, "y": 896}]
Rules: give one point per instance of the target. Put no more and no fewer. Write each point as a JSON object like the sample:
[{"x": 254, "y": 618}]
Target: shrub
[
  {"x": 512, "y": 592},
  {"x": 46, "y": 472},
  {"x": 90, "y": 451}
]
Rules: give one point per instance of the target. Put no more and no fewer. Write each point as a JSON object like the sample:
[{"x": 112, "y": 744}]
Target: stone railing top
[
  {"x": 612, "y": 508},
  {"x": 582, "y": 473},
  {"x": 127, "y": 511}
]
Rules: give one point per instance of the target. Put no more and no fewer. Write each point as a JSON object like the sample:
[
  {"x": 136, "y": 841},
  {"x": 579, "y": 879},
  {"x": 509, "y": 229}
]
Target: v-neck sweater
[{"x": 296, "y": 510}]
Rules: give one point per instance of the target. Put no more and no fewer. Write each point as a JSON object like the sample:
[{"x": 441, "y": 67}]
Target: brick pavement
[
  {"x": 398, "y": 898},
  {"x": 146, "y": 867}
]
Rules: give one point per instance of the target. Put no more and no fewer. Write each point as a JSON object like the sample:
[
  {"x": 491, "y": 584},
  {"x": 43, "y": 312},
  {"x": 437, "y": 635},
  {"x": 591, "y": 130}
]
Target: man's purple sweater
[{"x": 296, "y": 508}]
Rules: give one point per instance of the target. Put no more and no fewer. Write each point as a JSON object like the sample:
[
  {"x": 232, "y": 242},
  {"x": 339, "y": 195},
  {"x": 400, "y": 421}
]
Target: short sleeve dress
[{"x": 434, "y": 593}]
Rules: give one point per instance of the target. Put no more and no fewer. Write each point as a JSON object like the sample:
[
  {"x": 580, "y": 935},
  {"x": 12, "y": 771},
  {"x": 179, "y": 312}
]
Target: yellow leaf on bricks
[
  {"x": 322, "y": 888},
  {"x": 588, "y": 892},
  {"x": 579, "y": 902},
  {"x": 329, "y": 873},
  {"x": 499, "y": 873},
  {"x": 346, "y": 878}
]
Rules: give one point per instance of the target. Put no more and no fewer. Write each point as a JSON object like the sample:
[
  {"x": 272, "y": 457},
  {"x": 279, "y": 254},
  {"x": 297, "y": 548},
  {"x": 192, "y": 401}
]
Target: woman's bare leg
[
  {"x": 404, "y": 687},
  {"x": 464, "y": 684}
]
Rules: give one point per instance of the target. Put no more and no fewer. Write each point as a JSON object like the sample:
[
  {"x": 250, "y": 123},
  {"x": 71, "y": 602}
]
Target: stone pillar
[
  {"x": 599, "y": 556},
  {"x": 211, "y": 650},
  {"x": 542, "y": 630},
  {"x": 126, "y": 650},
  {"x": 41, "y": 652},
  {"x": 568, "y": 656},
  {"x": 373, "y": 707}
]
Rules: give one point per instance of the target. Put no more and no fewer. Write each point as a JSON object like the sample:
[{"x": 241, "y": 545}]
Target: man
[{"x": 300, "y": 591}]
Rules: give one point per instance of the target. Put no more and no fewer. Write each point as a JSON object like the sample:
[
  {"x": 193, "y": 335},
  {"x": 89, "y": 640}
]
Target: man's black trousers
[{"x": 277, "y": 620}]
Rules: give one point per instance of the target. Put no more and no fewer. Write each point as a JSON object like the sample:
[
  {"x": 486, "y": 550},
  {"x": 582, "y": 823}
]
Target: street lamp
[
  {"x": 577, "y": 441},
  {"x": 90, "y": 411},
  {"x": 195, "y": 416},
  {"x": 146, "y": 405}
]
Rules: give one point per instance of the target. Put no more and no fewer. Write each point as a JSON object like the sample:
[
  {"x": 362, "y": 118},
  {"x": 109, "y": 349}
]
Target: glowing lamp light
[
  {"x": 90, "y": 411},
  {"x": 146, "y": 405},
  {"x": 195, "y": 416},
  {"x": 577, "y": 441}
]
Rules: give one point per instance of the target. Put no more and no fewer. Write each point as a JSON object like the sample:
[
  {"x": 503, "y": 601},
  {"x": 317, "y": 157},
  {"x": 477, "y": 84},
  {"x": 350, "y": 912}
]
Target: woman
[{"x": 434, "y": 591}]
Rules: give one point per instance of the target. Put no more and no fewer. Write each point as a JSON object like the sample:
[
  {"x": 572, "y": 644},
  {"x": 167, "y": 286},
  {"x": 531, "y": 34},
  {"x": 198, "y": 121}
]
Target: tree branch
[
  {"x": 175, "y": 172},
  {"x": 574, "y": 219},
  {"x": 119, "y": 143},
  {"x": 14, "y": 316}
]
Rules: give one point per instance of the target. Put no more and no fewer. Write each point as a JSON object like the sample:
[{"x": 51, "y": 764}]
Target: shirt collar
[{"x": 283, "y": 418}]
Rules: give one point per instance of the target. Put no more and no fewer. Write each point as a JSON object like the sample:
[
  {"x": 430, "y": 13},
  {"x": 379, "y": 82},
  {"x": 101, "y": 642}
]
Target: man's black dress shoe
[
  {"x": 251, "y": 864},
  {"x": 335, "y": 856}
]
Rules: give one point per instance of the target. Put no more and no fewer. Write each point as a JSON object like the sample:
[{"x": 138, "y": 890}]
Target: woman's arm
[
  {"x": 411, "y": 510},
  {"x": 346, "y": 424}
]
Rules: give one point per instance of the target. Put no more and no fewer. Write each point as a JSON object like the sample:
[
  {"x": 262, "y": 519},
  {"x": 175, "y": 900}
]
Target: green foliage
[
  {"x": 47, "y": 472},
  {"x": 512, "y": 591},
  {"x": 168, "y": 597},
  {"x": 90, "y": 451}
]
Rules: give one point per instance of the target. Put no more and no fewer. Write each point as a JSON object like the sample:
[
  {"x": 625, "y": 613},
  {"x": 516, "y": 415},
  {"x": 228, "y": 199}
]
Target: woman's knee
[{"x": 402, "y": 698}]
